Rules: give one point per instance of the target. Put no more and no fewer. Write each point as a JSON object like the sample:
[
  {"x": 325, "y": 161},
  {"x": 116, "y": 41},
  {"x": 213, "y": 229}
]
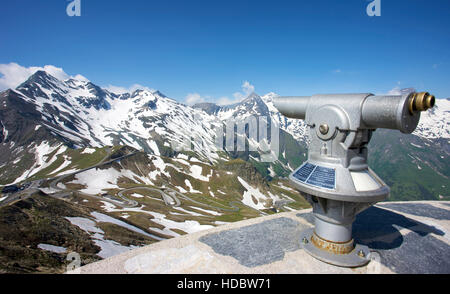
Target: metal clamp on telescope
[{"x": 336, "y": 179}]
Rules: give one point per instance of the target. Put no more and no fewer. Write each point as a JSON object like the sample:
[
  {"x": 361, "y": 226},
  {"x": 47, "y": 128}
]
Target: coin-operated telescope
[{"x": 336, "y": 179}]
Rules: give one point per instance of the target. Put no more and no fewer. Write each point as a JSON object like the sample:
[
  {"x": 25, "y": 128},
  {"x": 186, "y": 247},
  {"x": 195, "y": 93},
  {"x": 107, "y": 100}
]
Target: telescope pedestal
[
  {"x": 331, "y": 238},
  {"x": 359, "y": 256}
]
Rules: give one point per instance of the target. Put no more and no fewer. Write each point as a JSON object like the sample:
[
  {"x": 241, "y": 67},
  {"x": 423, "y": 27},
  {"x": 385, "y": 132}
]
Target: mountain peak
[
  {"x": 40, "y": 73},
  {"x": 252, "y": 99},
  {"x": 158, "y": 93},
  {"x": 252, "y": 96},
  {"x": 6, "y": 92},
  {"x": 208, "y": 107},
  {"x": 40, "y": 77}
]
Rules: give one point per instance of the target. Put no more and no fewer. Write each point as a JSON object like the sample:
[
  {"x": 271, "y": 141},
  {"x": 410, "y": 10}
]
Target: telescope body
[
  {"x": 336, "y": 179},
  {"x": 365, "y": 111}
]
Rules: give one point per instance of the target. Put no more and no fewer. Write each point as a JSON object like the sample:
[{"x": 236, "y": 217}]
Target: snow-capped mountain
[
  {"x": 86, "y": 115},
  {"x": 424, "y": 154},
  {"x": 435, "y": 123},
  {"x": 258, "y": 106},
  {"x": 81, "y": 114}
]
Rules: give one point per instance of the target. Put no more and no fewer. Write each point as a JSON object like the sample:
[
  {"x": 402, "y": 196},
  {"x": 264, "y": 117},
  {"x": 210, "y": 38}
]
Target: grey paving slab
[
  {"x": 419, "y": 209},
  {"x": 257, "y": 244}
]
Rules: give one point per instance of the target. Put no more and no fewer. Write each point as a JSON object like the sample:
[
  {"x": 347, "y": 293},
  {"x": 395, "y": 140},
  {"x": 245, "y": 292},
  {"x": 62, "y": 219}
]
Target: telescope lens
[{"x": 431, "y": 101}]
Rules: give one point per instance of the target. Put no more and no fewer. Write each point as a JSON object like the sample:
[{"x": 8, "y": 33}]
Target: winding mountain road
[{"x": 170, "y": 196}]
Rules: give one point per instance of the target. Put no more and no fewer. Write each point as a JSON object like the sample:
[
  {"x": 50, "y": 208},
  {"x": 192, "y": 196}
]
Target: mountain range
[
  {"x": 44, "y": 110},
  {"x": 76, "y": 151}
]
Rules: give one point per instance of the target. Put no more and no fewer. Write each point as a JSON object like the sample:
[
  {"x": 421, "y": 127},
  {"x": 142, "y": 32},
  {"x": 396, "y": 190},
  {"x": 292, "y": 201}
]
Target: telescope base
[{"x": 357, "y": 257}]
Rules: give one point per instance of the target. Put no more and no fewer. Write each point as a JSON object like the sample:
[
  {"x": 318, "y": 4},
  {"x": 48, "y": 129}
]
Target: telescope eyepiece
[{"x": 421, "y": 102}]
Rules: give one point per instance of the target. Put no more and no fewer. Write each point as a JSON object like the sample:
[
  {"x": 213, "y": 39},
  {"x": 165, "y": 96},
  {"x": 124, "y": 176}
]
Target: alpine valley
[{"x": 89, "y": 171}]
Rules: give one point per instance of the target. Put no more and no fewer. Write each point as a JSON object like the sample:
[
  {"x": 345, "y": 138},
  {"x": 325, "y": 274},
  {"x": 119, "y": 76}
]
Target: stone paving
[{"x": 404, "y": 237}]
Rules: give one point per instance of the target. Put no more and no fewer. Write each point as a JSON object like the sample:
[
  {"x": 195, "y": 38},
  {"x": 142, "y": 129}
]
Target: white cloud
[
  {"x": 193, "y": 98},
  {"x": 13, "y": 74},
  {"x": 399, "y": 91},
  {"x": 225, "y": 101},
  {"x": 337, "y": 71},
  {"x": 131, "y": 89},
  {"x": 247, "y": 89},
  {"x": 80, "y": 78},
  {"x": 395, "y": 91}
]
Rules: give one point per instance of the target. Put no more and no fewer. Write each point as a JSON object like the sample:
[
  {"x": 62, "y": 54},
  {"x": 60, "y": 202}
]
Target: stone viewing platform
[{"x": 403, "y": 237}]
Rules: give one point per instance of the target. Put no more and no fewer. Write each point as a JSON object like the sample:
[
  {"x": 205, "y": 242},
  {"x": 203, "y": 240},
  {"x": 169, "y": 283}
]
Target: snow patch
[
  {"x": 196, "y": 172},
  {"x": 191, "y": 189},
  {"x": 108, "y": 247},
  {"x": 154, "y": 147},
  {"x": 52, "y": 248},
  {"x": 181, "y": 189},
  {"x": 282, "y": 186},
  {"x": 188, "y": 226},
  {"x": 100, "y": 217},
  {"x": 88, "y": 151},
  {"x": 206, "y": 210},
  {"x": 136, "y": 195},
  {"x": 42, "y": 160},
  {"x": 65, "y": 164},
  {"x": 187, "y": 211},
  {"x": 251, "y": 194},
  {"x": 97, "y": 180}
]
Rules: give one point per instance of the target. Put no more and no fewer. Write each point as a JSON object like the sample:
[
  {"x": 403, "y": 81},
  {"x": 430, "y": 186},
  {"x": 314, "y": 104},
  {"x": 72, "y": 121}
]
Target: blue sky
[{"x": 210, "y": 48}]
